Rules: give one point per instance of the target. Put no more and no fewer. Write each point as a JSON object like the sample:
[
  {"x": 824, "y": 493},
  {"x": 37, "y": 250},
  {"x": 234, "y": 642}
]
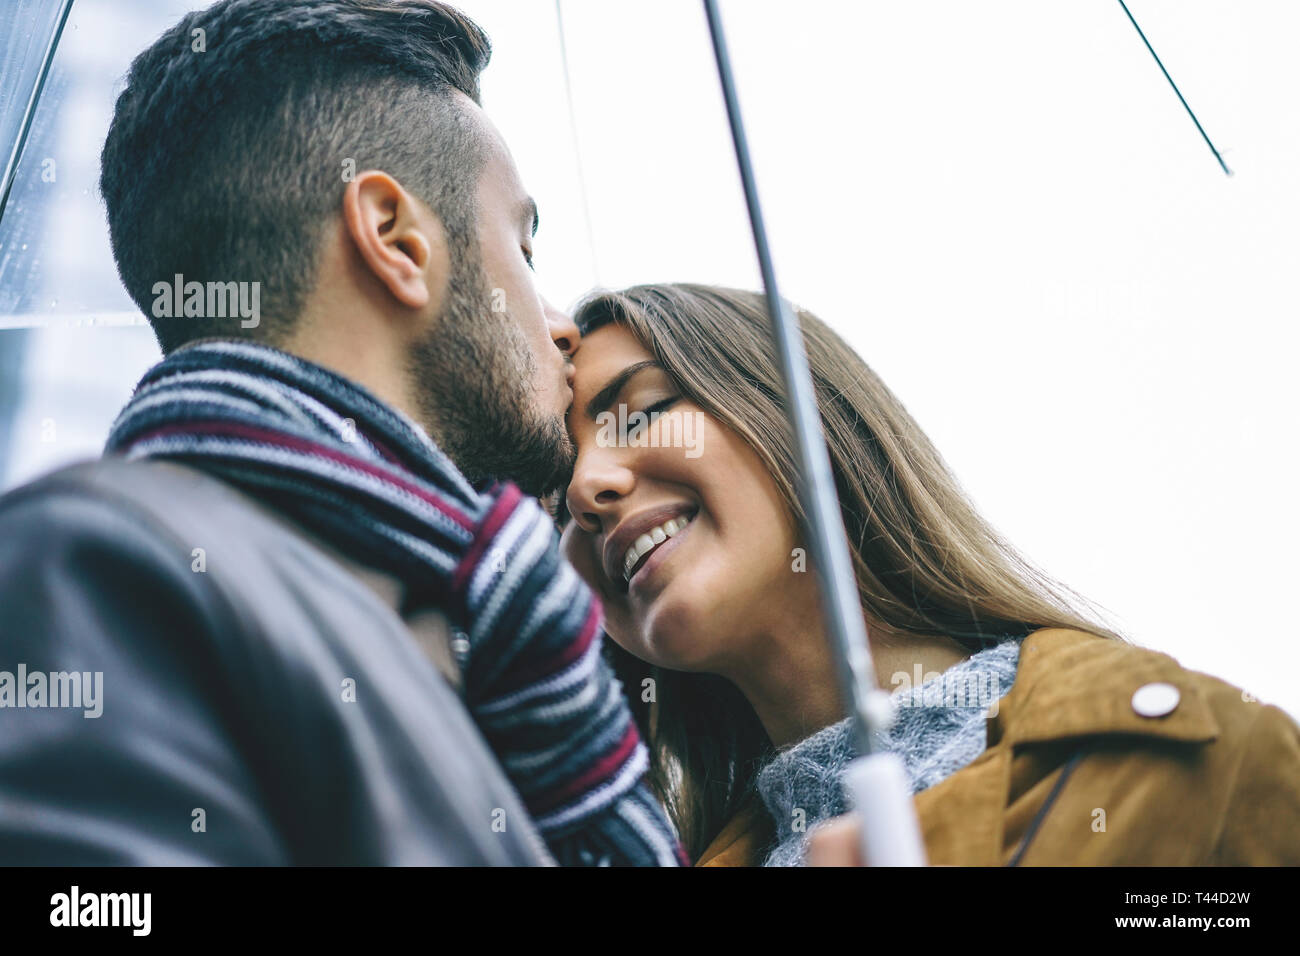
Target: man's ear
[{"x": 402, "y": 243}]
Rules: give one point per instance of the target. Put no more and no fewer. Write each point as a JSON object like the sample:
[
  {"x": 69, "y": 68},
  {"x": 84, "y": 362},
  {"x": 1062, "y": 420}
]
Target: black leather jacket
[{"x": 260, "y": 703}]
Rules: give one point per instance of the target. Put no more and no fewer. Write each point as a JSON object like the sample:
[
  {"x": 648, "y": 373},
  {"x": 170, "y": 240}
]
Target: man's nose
[{"x": 564, "y": 333}]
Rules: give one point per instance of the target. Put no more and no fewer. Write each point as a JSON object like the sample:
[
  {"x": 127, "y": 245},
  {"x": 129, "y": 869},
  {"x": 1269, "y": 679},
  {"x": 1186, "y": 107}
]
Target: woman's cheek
[
  {"x": 578, "y": 548},
  {"x": 580, "y": 551}
]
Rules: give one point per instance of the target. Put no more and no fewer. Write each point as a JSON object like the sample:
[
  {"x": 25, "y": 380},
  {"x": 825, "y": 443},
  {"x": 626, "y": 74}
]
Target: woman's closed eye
[{"x": 643, "y": 420}]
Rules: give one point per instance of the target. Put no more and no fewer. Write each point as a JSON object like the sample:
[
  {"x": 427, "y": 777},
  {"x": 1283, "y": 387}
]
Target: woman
[{"x": 682, "y": 515}]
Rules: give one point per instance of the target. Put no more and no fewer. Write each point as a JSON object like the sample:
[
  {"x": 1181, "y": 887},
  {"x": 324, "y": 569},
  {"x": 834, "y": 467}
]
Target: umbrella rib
[
  {"x": 577, "y": 144},
  {"x": 29, "y": 112},
  {"x": 1205, "y": 136}
]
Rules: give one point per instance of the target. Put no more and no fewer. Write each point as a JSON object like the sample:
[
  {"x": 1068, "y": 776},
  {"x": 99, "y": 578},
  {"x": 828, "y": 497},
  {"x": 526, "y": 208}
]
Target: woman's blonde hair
[{"x": 926, "y": 562}]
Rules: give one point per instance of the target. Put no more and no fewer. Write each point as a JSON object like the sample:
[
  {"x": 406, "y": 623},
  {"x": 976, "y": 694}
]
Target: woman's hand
[{"x": 836, "y": 842}]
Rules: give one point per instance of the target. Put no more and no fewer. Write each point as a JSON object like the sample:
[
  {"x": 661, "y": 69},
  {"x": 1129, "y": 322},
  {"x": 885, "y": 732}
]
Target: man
[{"x": 315, "y": 626}]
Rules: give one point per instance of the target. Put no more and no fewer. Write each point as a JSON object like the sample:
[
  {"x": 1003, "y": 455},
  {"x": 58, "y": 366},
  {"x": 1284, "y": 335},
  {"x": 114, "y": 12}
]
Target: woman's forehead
[{"x": 605, "y": 351}]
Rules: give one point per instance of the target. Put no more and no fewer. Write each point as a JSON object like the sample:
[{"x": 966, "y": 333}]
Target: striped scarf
[{"x": 366, "y": 478}]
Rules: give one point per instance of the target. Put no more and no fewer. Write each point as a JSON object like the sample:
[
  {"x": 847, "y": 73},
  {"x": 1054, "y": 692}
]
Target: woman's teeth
[{"x": 648, "y": 542}]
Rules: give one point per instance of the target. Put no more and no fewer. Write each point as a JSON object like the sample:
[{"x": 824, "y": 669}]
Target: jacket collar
[{"x": 1071, "y": 683}]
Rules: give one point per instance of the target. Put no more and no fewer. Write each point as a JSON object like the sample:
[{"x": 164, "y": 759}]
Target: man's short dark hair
[{"x": 229, "y": 148}]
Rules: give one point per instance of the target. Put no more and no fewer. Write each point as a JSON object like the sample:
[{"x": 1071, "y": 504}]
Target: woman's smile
[{"x": 649, "y": 552}]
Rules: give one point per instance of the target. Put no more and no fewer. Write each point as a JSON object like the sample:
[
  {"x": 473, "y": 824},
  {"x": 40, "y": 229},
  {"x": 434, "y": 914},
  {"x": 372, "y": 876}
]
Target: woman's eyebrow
[{"x": 605, "y": 397}]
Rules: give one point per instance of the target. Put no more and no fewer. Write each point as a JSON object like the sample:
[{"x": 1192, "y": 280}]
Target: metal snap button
[{"x": 1155, "y": 700}]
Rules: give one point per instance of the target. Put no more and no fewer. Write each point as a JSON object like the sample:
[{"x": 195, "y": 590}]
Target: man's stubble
[{"x": 474, "y": 374}]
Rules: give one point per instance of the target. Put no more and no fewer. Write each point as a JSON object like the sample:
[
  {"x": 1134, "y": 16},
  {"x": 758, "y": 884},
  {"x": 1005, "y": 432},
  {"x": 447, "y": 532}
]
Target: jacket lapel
[{"x": 961, "y": 815}]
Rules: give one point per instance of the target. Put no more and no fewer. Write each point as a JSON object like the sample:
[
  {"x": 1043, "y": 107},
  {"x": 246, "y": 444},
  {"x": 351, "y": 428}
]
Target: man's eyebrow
[
  {"x": 605, "y": 397},
  {"x": 528, "y": 215}
]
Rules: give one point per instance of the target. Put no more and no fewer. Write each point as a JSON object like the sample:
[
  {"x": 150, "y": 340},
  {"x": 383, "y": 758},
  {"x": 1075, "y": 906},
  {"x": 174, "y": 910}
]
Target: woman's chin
[
  {"x": 677, "y": 635},
  {"x": 688, "y": 624}
]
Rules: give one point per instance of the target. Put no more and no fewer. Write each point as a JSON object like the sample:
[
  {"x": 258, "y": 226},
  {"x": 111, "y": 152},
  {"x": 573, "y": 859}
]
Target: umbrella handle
[{"x": 877, "y": 788}]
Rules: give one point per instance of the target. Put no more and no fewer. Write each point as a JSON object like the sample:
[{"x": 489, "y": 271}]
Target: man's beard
[{"x": 474, "y": 376}]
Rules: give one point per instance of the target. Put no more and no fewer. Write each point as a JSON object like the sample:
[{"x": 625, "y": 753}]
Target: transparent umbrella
[
  {"x": 951, "y": 169},
  {"x": 71, "y": 341}
]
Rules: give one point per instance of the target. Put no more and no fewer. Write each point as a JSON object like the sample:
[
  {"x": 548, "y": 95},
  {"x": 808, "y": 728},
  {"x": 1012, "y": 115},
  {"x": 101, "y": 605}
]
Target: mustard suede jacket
[{"x": 1087, "y": 764}]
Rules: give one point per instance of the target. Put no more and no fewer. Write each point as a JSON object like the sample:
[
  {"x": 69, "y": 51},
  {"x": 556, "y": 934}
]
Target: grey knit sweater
[{"x": 938, "y": 729}]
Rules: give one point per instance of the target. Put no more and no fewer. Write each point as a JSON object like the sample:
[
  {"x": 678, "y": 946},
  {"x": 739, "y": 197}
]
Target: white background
[{"x": 1005, "y": 209}]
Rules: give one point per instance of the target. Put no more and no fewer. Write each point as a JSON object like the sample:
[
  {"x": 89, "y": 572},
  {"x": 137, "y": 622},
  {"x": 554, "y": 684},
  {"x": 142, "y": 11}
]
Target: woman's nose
[{"x": 599, "y": 483}]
